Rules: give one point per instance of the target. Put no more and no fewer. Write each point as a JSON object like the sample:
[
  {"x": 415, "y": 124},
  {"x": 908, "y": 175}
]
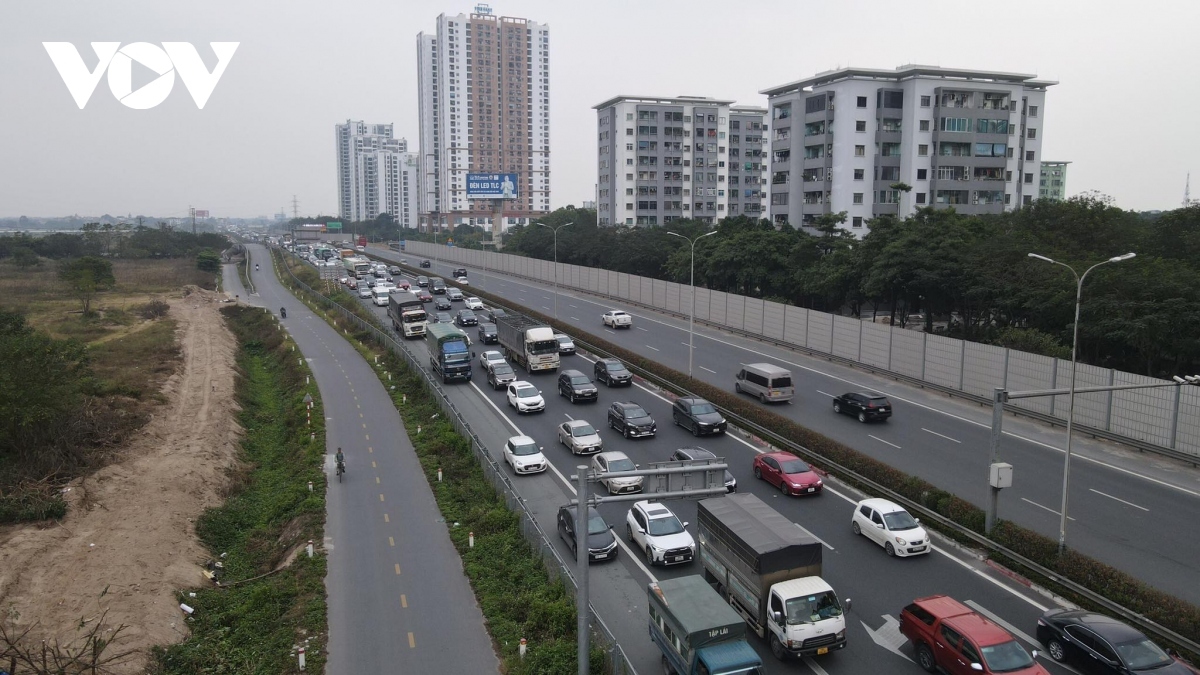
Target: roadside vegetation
[{"x": 272, "y": 595}]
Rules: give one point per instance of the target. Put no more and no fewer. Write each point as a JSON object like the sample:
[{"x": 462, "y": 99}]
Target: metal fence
[
  {"x": 615, "y": 658},
  {"x": 1163, "y": 419}
]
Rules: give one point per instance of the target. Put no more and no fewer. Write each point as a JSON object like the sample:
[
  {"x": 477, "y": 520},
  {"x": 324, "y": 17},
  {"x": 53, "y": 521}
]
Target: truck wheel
[
  {"x": 925, "y": 659},
  {"x": 777, "y": 648}
]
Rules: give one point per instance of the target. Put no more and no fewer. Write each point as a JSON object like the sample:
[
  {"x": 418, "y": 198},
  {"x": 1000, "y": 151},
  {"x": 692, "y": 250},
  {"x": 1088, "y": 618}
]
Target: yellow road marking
[
  {"x": 386, "y": 519},
  {"x": 412, "y": 641},
  {"x": 373, "y": 465},
  {"x": 403, "y": 601},
  {"x": 391, "y": 541},
  {"x": 380, "y": 496},
  {"x": 377, "y": 480},
  {"x": 397, "y": 568}
]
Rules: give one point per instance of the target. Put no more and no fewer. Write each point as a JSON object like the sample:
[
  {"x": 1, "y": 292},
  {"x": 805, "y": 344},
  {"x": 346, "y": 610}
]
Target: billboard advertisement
[{"x": 491, "y": 186}]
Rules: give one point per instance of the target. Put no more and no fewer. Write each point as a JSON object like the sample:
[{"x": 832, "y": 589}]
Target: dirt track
[{"x": 129, "y": 526}]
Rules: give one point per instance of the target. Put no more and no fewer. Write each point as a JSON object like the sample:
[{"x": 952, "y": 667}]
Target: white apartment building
[
  {"x": 965, "y": 139},
  {"x": 484, "y": 107},
  {"x": 375, "y": 174},
  {"x": 661, "y": 159}
]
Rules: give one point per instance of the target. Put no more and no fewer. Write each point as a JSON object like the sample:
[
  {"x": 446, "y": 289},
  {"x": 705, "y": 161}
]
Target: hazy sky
[{"x": 1124, "y": 112}]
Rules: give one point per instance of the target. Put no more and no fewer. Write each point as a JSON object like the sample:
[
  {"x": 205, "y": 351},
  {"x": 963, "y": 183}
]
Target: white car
[
  {"x": 462, "y": 281},
  {"x": 525, "y": 397},
  {"x": 343, "y": 279},
  {"x": 524, "y": 455},
  {"x": 474, "y": 303},
  {"x": 385, "y": 283},
  {"x": 364, "y": 291},
  {"x": 611, "y": 462},
  {"x": 615, "y": 318},
  {"x": 651, "y": 527},
  {"x": 490, "y": 357},
  {"x": 889, "y": 525},
  {"x": 580, "y": 437}
]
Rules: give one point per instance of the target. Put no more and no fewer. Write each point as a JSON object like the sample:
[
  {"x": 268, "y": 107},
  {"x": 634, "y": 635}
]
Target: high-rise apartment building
[
  {"x": 375, "y": 174},
  {"x": 849, "y": 140},
  {"x": 484, "y": 104},
  {"x": 662, "y": 159},
  {"x": 1053, "y": 182}
]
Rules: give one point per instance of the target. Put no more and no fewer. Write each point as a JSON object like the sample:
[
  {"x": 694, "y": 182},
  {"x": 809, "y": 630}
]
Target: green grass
[{"x": 251, "y": 627}]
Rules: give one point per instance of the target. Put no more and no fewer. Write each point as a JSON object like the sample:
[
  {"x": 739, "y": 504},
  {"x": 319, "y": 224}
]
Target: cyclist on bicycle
[{"x": 340, "y": 458}]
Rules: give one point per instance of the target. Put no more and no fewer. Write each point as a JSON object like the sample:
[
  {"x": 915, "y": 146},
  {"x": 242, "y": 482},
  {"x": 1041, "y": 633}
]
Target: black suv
[
  {"x": 697, "y": 416},
  {"x": 701, "y": 453},
  {"x": 460, "y": 272},
  {"x": 602, "y": 543},
  {"x": 393, "y": 270},
  {"x": 865, "y": 407},
  {"x": 576, "y": 386},
  {"x": 487, "y": 333},
  {"x": 612, "y": 372},
  {"x": 490, "y": 315},
  {"x": 426, "y": 263},
  {"x": 467, "y": 318},
  {"x": 501, "y": 375},
  {"x": 631, "y": 420}
]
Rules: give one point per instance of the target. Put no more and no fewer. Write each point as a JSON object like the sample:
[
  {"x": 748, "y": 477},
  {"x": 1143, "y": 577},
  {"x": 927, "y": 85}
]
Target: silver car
[
  {"x": 580, "y": 437},
  {"x": 612, "y": 462}
]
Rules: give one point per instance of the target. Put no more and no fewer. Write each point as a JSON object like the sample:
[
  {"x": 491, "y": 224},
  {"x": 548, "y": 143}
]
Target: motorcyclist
[
  {"x": 340, "y": 458},
  {"x": 283, "y": 312}
]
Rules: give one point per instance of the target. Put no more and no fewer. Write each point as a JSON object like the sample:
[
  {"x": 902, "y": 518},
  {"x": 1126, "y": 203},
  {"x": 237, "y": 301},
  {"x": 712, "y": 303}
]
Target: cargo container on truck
[
  {"x": 448, "y": 352},
  {"x": 528, "y": 343},
  {"x": 697, "y": 632},
  {"x": 407, "y": 313},
  {"x": 356, "y": 266},
  {"x": 769, "y": 570}
]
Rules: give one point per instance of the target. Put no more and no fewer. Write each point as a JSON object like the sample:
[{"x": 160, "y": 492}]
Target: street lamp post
[
  {"x": 1062, "y": 523},
  {"x": 692, "y": 284},
  {"x": 555, "y": 229}
]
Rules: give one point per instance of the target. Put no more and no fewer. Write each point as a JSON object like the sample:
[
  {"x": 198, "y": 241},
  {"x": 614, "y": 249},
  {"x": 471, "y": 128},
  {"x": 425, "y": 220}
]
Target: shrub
[{"x": 155, "y": 309}]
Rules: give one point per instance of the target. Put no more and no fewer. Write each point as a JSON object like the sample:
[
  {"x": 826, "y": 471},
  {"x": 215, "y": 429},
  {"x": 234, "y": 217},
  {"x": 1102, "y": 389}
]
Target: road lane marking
[
  {"x": 1030, "y": 501},
  {"x": 708, "y": 369},
  {"x": 654, "y": 348},
  {"x": 386, "y": 519},
  {"x": 380, "y": 496},
  {"x": 572, "y": 306},
  {"x": 373, "y": 465},
  {"x": 391, "y": 541},
  {"x": 574, "y": 318},
  {"x": 825, "y": 543},
  {"x": 824, "y": 394},
  {"x": 568, "y": 417},
  {"x": 368, "y": 436},
  {"x": 942, "y": 435},
  {"x": 640, "y": 328},
  {"x": 545, "y": 307},
  {"x": 377, "y": 480},
  {"x": 397, "y": 569},
  {"x": 412, "y": 641},
  {"x": 884, "y": 442},
  {"x": 403, "y": 601},
  {"x": 1103, "y": 494},
  {"x": 814, "y": 666}
]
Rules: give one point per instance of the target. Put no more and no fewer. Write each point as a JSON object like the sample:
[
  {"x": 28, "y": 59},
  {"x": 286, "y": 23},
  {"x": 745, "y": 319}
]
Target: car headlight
[
  {"x": 901, "y": 541},
  {"x": 841, "y": 635}
]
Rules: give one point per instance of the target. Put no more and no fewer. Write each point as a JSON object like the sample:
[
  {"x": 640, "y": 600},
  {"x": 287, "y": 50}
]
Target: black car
[
  {"x": 426, "y": 263},
  {"x": 442, "y": 302},
  {"x": 487, "y": 333},
  {"x": 437, "y": 285},
  {"x": 423, "y": 281},
  {"x": 631, "y": 420},
  {"x": 466, "y": 318},
  {"x": 371, "y": 281},
  {"x": 501, "y": 375},
  {"x": 701, "y": 453},
  {"x": 865, "y": 407},
  {"x": 393, "y": 270},
  {"x": 602, "y": 543},
  {"x": 698, "y": 416},
  {"x": 443, "y": 317},
  {"x": 612, "y": 372},
  {"x": 1100, "y": 644},
  {"x": 490, "y": 315},
  {"x": 576, "y": 386},
  {"x": 460, "y": 272}
]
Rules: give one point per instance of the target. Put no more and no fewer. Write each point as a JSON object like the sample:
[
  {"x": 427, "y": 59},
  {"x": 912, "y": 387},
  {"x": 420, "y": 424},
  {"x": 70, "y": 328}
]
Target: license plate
[
  {"x": 822, "y": 650},
  {"x": 601, "y": 556},
  {"x": 812, "y": 489},
  {"x": 677, "y": 558}
]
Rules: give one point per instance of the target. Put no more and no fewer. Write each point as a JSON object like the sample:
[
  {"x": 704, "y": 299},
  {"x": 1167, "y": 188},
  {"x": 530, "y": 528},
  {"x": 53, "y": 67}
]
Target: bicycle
[{"x": 341, "y": 469}]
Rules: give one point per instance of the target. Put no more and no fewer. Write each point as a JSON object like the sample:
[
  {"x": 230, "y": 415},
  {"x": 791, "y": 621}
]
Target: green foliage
[
  {"x": 208, "y": 260},
  {"x": 24, "y": 257},
  {"x": 86, "y": 277},
  {"x": 1033, "y": 341}
]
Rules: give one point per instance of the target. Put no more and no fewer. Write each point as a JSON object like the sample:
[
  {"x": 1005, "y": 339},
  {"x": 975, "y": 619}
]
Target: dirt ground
[{"x": 129, "y": 527}]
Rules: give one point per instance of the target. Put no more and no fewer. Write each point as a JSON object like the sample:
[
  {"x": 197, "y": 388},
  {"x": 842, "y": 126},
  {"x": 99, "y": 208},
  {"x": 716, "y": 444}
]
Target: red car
[
  {"x": 403, "y": 284},
  {"x": 425, "y": 295},
  {"x": 787, "y": 472}
]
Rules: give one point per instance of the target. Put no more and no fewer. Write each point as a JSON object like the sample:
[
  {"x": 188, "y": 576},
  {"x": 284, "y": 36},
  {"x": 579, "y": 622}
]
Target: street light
[
  {"x": 692, "y": 283},
  {"x": 555, "y": 229},
  {"x": 1062, "y": 524}
]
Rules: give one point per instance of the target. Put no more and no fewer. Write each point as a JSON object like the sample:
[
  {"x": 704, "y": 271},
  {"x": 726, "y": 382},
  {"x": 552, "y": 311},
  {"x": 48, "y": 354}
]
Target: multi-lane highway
[
  {"x": 1126, "y": 509},
  {"x": 860, "y": 570}
]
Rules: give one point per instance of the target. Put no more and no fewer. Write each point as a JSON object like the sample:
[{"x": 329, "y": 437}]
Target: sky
[{"x": 1124, "y": 113}]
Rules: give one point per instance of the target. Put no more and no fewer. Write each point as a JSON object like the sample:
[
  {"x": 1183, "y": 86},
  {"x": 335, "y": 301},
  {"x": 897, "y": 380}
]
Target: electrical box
[{"x": 1001, "y": 475}]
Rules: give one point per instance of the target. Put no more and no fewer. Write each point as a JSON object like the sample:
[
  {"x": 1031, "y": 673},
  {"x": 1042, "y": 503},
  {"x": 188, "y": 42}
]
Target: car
[
  {"x": 580, "y": 437},
  {"x": 488, "y": 334},
  {"x": 426, "y": 263},
  {"x": 352, "y": 283},
  {"x": 360, "y": 249},
  {"x": 437, "y": 285},
  {"x": 462, "y": 280},
  {"x": 889, "y": 525},
  {"x": 612, "y": 372},
  {"x": 425, "y": 295},
  {"x": 404, "y": 261},
  {"x": 631, "y": 420},
  {"x": 442, "y": 302},
  {"x": 380, "y": 272},
  {"x": 692, "y": 453},
  {"x": 602, "y": 543},
  {"x": 491, "y": 314},
  {"x": 576, "y": 386},
  {"x": 394, "y": 270},
  {"x": 615, "y": 461},
  {"x": 490, "y": 358},
  {"x": 474, "y": 303},
  {"x": 343, "y": 279},
  {"x": 524, "y": 455},
  {"x": 697, "y": 416},
  {"x": 866, "y": 407},
  {"x": 1101, "y": 644},
  {"x": 364, "y": 291},
  {"x": 460, "y": 272},
  {"x": 385, "y": 283},
  {"x": 788, "y": 473},
  {"x": 442, "y": 317},
  {"x": 565, "y": 344},
  {"x": 525, "y": 397},
  {"x": 466, "y": 317},
  {"x": 946, "y": 633},
  {"x": 651, "y": 527},
  {"x": 501, "y": 374},
  {"x": 454, "y": 294},
  {"x": 423, "y": 281},
  {"x": 371, "y": 281},
  {"x": 615, "y": 318},
  {"x": 402, "y": 283}
]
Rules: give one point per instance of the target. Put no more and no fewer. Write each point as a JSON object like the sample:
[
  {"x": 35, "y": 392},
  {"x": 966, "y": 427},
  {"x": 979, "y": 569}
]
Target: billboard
[
  {"x": 201, "y": 213},
  {"x": 491, "y": 186}
]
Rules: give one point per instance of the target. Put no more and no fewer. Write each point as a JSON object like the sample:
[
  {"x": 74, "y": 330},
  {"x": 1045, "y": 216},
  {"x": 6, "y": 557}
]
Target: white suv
[
  {"x": 652, "y": 527},
  {"x": 889, "y": 525},
  {"x": 615, "y": 318},
  {"x": 525, "y": 397}
]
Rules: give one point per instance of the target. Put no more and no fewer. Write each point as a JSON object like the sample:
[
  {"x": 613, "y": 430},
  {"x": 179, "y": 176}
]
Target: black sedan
[
  {"x": 613, "y": 373},
  {"x": 442, "y": 317},
  {"x": 487, "y": 334},
  {"x": 602, "y": 543},
  {"x": 466, "y": 318},
  {"x": 697, "y": 416},
  {"x": 1101, "y": 644},
  {"x": 701, "y": 453},
  {"x": 631, "y": 420},
  {"x": 865, "y": 407},
  {"x": 442, "y": 303}
]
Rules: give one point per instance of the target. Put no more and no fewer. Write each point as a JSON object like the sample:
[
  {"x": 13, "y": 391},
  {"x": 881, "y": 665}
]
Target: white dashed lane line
[
  {"x": 883, "y": 441},
  {"x": 942, "y": 435}
]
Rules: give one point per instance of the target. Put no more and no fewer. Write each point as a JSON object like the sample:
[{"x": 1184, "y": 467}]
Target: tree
[
  {"x": 24, "y": 257},
  {"x": 87, "y": 276},
  {"x": 208, "y": 260}
]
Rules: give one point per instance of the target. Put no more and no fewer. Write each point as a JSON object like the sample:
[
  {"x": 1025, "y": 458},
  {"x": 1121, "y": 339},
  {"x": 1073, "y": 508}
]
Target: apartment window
[
  {"x": 890, "y": 149},
  {"x": 1010, "y": 153},
  {"x": 924, "y": 125},
  {"x": 889, "y": 173},
  {"x": 862, "y": 101},
  {"x": 1027, "y": 200},
  {"x": 922, "y": 150},
  {"x": 1007, "y": 199},
  {"x": 857, "y": 221},
  {"x": 629, "y": 191},
  {"x": 889, "y": 197},
  {"x": 860, "y": 151},
  {"x": 629, "y": 161},
  {"x": 925, "y": 101},
  {"x": 628, "y": 206},
  {"x": 810, "y": 129},
  {"x": 922, "y": 174},
  {"x": 1029, "y": 155},
  {"x": 1008, "y": 176},
  {"x": 815, "y": 151},
  {"x": 858, "y": 197},
  {"x": 814, "y": 104},
  {"x": 891, "y": 124},
  {"x": 628, "y": 131},
  {"x": 990, "y": 149},
  {"x": 779, "y": 199},
  {"x": 628, "y": 176},
  {"x": 953, "y": 196},
  {"x": 1033, "y": 111},
  {"x": 858, "y": 174},
  {"x": 920, "y": 197},
  {"x": 629, "y": 147},
  {"x": 628, "y": 117},
  {"x": 782, "y": 112},
  {"x": 1032, "y": 133},
  {"x": 957, "y": 124},
  {"x": 860, "y": 125},
  {"x": 1029, "y": 179},
  {"x": 954, "y": 149},
  {"x": 984, "y": 126}
]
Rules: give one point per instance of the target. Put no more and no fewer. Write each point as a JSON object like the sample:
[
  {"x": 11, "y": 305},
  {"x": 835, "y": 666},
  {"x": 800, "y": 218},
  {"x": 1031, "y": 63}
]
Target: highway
[
  {"x": 878, "y": 585},
  {"x": 1125, "y": 508},
  {"x": 398, "y": 600}
]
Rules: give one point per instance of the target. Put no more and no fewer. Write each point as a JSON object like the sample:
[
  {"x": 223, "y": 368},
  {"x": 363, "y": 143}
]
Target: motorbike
[{"x": 283, "y": 312}]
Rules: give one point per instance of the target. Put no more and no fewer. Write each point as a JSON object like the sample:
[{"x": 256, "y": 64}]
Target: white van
[
  {"x": 379, "y": 295},
  {"x": 771, "y": 384}
]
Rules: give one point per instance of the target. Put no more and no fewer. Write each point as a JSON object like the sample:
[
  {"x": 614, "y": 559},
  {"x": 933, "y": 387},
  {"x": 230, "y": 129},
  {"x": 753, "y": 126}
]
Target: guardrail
[{"x": 618, "y": 663}]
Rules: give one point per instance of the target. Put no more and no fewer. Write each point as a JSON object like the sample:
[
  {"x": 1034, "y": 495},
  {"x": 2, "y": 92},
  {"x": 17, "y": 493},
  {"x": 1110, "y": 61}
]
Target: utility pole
[
  {"x": 192, "y": 211},
  {"x": 295, "y": 207}
]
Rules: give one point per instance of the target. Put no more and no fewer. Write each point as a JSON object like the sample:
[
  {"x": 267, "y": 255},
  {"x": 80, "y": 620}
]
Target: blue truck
[
  {"x": 449, "y": 352},
  {"x": 697, "y": 631}
]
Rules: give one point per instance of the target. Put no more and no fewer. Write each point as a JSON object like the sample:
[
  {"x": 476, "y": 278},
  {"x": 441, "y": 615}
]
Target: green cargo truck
[
  {"x": 698, "y": 632},
  {"x": 448, "y": 352}
]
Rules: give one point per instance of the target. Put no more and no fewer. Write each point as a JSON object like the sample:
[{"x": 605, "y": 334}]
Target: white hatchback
[
  {"x": 474, "y": 303},
  {"x": 889, "y": 525},
  {"x": 524, "y": 455}
]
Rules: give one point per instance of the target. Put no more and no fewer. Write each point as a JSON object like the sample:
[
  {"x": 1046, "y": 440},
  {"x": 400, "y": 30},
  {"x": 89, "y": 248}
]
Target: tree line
[{"x": 109, "y": 240}]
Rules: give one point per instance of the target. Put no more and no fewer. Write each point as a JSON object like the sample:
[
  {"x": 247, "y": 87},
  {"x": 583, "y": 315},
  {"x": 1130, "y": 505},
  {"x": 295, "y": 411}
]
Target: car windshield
[
  {"x": 529, "y": 448},
  {"x": 900, "y": 520},
  {"x": 596, "y": 524},
  {"x": 526, "y": 392},
  {"x": 583, "y": 430},
  {"x": 793, "y": 466},
  {"x": 635, "y": 412},
  {"x": 502, "y": 369},
  {"x": 488, "y": 327},
  {"x": 621, "y": 465},
  {"x": 1142, "y": 654},
  {"x": 616, "y": 369},
  {"x": 1006, "y": 657},
  {"x": 663, "y": 526},
  {"x": 580, "y": 380},
  {"x": 703, "y": 409},
  {"x": 813, "y": 608},
  {"x": 563, "y": 339}
]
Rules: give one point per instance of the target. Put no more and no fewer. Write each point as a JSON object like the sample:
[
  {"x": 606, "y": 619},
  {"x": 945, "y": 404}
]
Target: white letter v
[{"x": 74, "y": 72}]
